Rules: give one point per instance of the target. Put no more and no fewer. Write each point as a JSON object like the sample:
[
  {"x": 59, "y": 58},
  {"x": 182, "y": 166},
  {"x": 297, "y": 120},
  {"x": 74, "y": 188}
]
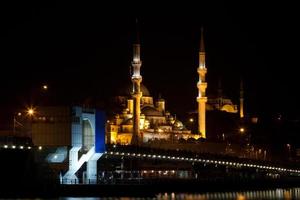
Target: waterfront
[{"x": 280, "y": 193}]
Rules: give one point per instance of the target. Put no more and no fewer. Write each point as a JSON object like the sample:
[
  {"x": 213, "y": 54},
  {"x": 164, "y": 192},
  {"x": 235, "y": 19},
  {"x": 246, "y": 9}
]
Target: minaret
[
  {"x": 220, "y": 94},
  {"x": 201, "y": 85},
  {"x": 241, "y": 100},
  {"x": 136, "y": 79}
]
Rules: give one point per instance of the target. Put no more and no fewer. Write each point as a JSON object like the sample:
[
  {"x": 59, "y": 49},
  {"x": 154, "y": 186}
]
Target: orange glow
[
  {"x": 241, "y": 197},
  {"x": 242, "y": 130},
  {"x": 30, "y": 111}
]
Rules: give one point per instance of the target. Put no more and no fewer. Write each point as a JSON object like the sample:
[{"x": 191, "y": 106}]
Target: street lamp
[
  {"x": 242, "y": 130},
  {"x": 16, "y": 123},
  {"x": 30, "y": 112},
  {"x": 289, "y": 150}
]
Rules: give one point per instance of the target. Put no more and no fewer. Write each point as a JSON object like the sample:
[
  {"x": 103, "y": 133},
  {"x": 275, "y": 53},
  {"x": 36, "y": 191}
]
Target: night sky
[{"x": 83, "y": 52}]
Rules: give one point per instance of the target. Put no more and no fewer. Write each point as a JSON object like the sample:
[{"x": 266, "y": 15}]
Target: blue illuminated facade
[
  {"x": 100, "y": 131},
  {"x": 88, "y": 140}
]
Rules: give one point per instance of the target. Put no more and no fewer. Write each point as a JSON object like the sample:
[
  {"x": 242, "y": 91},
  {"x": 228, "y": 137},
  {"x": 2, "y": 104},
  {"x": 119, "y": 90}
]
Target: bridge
[{"x": 205, "y": 161}]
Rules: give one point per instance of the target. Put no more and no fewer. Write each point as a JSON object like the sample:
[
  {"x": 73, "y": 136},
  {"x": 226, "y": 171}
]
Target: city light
[
  {"x": 242, "y": 130},
  {"x": 45, "y": 87},
  {"x": 191, "y": 120},
  {"x": 30, "y": 111}
]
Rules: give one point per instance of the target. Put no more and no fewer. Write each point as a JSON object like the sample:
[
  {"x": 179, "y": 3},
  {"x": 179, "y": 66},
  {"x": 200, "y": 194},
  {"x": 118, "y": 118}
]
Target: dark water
[
  {"x": 287, "y": 194},
  {"x": 291, "y": 193}
]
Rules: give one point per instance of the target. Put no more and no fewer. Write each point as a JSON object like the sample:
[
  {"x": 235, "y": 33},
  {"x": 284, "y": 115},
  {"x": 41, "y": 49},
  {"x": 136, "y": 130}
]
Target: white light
[
  {"x": 40, "y": 147},
  {"x": 5, "y": 146},
  {"x": 21, "y": 147},
  {"x": 55, "y": 157},
  {"x": 13, "y": 146},
  {"x": 28, "y": 147}
]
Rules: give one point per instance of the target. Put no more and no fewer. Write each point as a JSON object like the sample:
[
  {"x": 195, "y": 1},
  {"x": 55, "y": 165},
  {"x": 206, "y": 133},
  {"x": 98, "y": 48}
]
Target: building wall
[{"x": 51, "y": 126}]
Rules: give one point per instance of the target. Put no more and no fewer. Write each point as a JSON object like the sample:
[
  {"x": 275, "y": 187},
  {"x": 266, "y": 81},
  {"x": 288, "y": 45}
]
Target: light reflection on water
[{"x": 287, "y": 194}]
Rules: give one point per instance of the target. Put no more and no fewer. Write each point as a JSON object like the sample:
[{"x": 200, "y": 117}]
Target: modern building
[{"x": 68, "y": 138}]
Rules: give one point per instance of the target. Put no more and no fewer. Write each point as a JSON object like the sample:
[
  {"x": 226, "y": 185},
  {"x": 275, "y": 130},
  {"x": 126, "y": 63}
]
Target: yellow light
[
  {"x": 30, "y": 111},
  {"x": 40, "y": 147},
  {"x": 241, "y": 197},
  {"x": 242, "y": 130},
  {"x": 191, "y": 120}
]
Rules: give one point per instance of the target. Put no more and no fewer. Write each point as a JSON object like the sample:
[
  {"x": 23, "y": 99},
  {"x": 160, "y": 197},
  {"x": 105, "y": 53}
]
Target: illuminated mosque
[{"x": 143, "y": 119}]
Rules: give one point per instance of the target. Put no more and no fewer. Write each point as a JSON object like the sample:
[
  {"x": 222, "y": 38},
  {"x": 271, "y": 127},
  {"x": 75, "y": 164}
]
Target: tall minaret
[
  {"x": 136, "y": 79},
  {"x": 201, "y": 85},
  {"x": 241, "y": 100}
]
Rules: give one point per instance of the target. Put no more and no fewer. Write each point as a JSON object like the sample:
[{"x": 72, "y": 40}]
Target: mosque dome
[
  {"x": 150, "y": 111},
  {"x": 127, "y": 89},
  {"x": 178, "y": 125},
  {"x": 128, "y": 122}
]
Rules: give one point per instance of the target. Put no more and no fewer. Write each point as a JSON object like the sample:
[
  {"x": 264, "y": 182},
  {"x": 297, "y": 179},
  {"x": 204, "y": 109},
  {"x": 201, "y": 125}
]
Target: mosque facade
[{"x": 143, "y": 119}]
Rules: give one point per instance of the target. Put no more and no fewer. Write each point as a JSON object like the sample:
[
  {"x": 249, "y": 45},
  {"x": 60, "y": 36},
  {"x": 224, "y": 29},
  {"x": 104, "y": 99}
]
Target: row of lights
[
  {"x": 154, "y": 171},
  {"x": 226, "y": 163},
  {"x": 19, "y": 147}
]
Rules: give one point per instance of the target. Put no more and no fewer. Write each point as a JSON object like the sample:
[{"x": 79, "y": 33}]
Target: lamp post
[
  {"x": 15, "y": 122},
  {"x": 289, "y": 151},
  {"x": 30, "y": 113}
]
